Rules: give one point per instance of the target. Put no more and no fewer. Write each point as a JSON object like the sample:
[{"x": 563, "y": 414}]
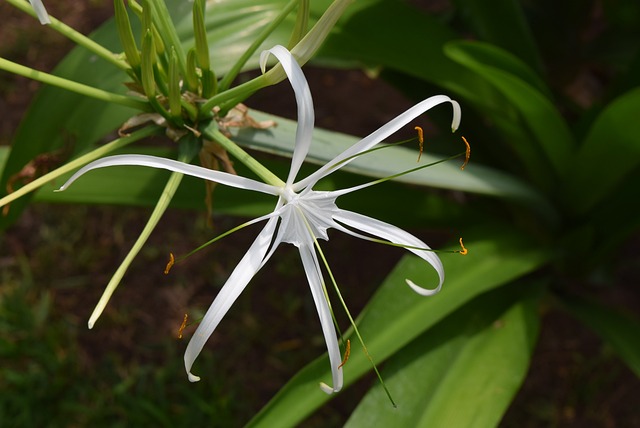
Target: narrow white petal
[
  {"x": 396, "y": 235},
  {"x": 38, "y": 7},
  {"x": 379, "y": 136},
  {"x": 314, "y": 276},
  {"x": 238, "y": 280},
  {"x": 303, "y": 99},
  {"x": 176, "y": 166}
]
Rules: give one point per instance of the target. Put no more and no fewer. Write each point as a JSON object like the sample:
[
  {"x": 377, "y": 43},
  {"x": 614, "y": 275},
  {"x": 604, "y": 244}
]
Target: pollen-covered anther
[
  {"x": 170, "y": 263},
  {"x": 183, "y": 326},
  {"x": 347, "y": 352},
  {"x": 420, "y": 140},
  {"x": 463, "y": 251},
  {"x": 467, "y": 154}
]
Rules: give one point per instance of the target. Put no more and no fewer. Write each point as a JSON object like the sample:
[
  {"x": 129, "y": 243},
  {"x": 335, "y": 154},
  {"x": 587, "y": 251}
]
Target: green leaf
[
  {"x": 396, "y": 315},
  {"x": 617, "y": 329},
  {"x": 411, "y": 43},
  {"x": 383, "y": 163},
  {"x": 609, "y": 153},
  {"x": 537, "y": 112},
  {"x": 502, "y": 23},
  {"x": 139, "y": 186},
  {"x": 463, "y": 372}
]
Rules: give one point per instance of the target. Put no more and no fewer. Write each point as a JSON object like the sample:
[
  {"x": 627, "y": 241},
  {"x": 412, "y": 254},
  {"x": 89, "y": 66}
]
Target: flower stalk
[{"x": 75, "y": 36}]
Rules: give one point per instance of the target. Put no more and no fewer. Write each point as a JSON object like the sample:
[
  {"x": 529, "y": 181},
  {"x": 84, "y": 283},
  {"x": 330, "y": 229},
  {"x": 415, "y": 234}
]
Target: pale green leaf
[
  {"x": 396, "y": 315},
  {"x": 538, "y": 113},
  {"x": 383, "y": 163},
  {"x": 463, "y": 372}
]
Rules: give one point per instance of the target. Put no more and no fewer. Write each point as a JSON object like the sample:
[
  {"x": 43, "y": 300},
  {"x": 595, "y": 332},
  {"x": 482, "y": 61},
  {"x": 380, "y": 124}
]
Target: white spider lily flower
[
  {"x": 301, "y": 216},
  {"x": 38, "y": 7}
]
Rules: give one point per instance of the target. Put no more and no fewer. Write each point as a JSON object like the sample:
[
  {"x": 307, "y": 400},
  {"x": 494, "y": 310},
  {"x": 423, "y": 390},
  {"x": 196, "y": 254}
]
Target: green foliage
[
  {"x": 557, "y": 163},
  {"x": 464, "y": 371}
]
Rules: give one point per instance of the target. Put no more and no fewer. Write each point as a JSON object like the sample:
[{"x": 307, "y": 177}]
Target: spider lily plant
[
  {"x": 173, "y": 90},
  {"x": 301, "y": 215}
]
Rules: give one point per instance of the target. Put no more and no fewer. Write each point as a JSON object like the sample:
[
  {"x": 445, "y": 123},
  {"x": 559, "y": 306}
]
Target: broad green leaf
[
  {"x": 538, "y": 113},
  {"x": 383, "y": 163},
  {"x": 411, "y": 43},
  {"x": 463, "y": 372},
  {"x": 617, "y": 329},
  {"x": 503, "y": 23},
  {"x": 609, "y": 153},
  {"x": 491, "y": 55},
  {"x": 396, "y": 315},
  {"x": 327, "y": 144},
  {"x": 140, "y": 186}
]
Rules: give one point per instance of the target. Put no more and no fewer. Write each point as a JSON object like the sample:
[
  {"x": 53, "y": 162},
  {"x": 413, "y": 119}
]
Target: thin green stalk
[
  {"x": 70, "y": 85},
  {"x": 211, "y": 132},
  {"x": 351, "y": 320},
  {"x": 73, "y": 35},
  {"x": 163, "y": 202},
  {"x": 237, "y": 67},
  {"x": 241, "y": 92},
  {"x": 79, "y": 162}
]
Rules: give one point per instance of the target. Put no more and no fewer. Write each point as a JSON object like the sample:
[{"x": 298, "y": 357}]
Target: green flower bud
[
  {"x": 126, "y": 34},
  {"x": 200, "y": 33},
  {"x": 148, "y": 61},
  {"x": 174, "y": 87}
]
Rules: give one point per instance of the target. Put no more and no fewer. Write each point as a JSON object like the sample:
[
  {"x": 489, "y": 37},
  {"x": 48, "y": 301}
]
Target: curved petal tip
[
  {"x": 423, "y": 291},
  {"x": 193, "y": 378},
  {"x": 457, "y": 116},
  {"x": 327, "y": 389}
]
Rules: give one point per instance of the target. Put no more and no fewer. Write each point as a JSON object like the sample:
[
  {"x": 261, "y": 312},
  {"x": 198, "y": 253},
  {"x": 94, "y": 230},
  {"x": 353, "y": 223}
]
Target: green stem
[
  {"x": 241, "y": 92},
  {"x": 79, "y": 162},
  {"x": 165, "y": 198},
  {"x": 70, "y": 85},
  {"x": 211, "y": 132},
  {"x": 237, "y": 67},
  {"x": 73, "y": 35},
  {"x": 351, "y": 320}
]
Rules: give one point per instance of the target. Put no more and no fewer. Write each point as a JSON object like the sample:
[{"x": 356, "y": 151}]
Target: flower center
[{"x": 306, "y": 216}]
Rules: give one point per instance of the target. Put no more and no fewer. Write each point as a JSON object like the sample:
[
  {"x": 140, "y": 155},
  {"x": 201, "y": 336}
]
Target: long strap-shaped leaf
[{"x": 395, "y": 316}]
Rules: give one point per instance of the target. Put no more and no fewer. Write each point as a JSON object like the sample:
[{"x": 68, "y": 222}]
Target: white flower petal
[
  {"x": 304, "y": 101},
  {"x": 379, "y": 136},
  {"x": 396, "y": 235},
  {"x": 314, "y": 276},
  {"x": 238, "y": 280},
  {"x": 176, "y": 166},
  {"x": 38, "y": 7}
]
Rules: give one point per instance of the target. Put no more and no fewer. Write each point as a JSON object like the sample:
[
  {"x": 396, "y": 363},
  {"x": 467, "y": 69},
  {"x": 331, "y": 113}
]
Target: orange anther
[
  {"x": 183, "y": 326},
  {"x": 170, "y": 264},
  {"x": 467, "y": 153},
  {"x": 464, "y": 251},
  {"x": 347, "y": 352},
  {"x": 420, "y": 140}
]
